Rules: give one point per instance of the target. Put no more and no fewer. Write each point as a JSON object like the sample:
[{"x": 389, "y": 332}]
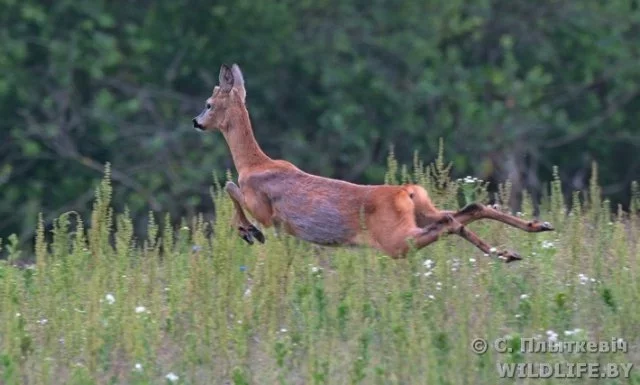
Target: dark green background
[{"x": 513, "y": 87}]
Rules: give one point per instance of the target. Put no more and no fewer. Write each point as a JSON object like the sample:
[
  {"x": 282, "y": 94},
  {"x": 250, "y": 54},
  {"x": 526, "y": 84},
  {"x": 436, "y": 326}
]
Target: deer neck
[{"x": 245, "y": 150}]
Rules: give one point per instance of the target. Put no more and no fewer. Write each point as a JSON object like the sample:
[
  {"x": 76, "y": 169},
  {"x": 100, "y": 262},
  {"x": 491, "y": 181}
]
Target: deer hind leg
[
  {"x": 245, "y": 228},
  {"x": 447, "y": 224},
  {"x": 475, "y": 211}
]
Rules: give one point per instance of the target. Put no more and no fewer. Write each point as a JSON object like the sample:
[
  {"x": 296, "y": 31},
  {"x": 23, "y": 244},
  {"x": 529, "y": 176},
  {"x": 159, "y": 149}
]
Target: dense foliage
[{"x": 513, "y": 87}]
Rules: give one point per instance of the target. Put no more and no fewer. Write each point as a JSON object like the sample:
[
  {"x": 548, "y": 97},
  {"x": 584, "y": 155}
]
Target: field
[{"x": 197, "y": 305}]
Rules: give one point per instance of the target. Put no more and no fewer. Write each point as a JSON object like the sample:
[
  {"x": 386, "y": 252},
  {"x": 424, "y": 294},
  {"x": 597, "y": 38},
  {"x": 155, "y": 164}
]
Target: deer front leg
[{"x": 245, "y": 228}]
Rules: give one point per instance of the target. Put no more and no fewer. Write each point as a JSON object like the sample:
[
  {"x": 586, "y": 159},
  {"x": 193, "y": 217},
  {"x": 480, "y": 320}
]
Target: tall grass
[{"x": 196, "y": 305}]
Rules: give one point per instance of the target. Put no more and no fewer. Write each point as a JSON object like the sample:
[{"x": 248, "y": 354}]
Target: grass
[{"x": 186, "y": 307}]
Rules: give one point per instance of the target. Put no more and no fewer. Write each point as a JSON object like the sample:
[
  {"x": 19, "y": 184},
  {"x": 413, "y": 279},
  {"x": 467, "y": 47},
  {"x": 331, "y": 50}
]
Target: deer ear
[
  {"x": 225, "y": 78},
  {"x": 238, "y": 81}
]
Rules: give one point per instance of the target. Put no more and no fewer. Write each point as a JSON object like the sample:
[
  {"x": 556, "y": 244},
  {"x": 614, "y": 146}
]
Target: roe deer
[{"x": 330, "y": 211}]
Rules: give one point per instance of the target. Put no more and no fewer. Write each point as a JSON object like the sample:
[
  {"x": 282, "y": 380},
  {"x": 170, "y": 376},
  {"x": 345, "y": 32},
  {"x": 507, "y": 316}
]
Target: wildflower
[
  {"x": 172, "y": 377},
  {"x": 110, "y": 298},
  {"x": 428, "y": 273},
  {"x": 455, "y": 264},
  {"x": 470, "y": 180},
  {"x": 243, "y": 268},
  {"x": 524, "y": 296},
  {"x": 428, "y": 263},
  {"x": 140, "y": 309},
  {"x": 547, "y": 244},
  {"x": 431, "y": 296},
  {"x": 472, "y": 260},
  {"x": 196, "y": 248},
  {"x": 138, "y": 367},
  {"x": 572, "y": 332},
  {"x": 43, "y": 321},
  {"x": 584, "y": 279},
  {"x": 283, "y": 330},
  {"x": 493, "y": 250},
  {"x": 315, "y": 269},
  {"x": 552, "y": 336}
]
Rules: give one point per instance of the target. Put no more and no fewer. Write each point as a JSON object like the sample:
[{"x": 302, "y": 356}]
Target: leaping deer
[{"x": 328, "y": 211}]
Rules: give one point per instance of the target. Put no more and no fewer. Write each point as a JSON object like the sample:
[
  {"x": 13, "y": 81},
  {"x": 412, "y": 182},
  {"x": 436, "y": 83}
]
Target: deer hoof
[
  {"x": 538, "y": 227},
  {"x": 246, "y": 235},
  {"x": 546, "y": 226},
  {"x": 509, "y": 256},
  {"x": 257, "y": 234}
]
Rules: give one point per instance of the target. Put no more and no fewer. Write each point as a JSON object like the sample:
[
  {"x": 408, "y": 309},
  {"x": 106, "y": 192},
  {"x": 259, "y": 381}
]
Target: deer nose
[{"x": 197, "y": 125}]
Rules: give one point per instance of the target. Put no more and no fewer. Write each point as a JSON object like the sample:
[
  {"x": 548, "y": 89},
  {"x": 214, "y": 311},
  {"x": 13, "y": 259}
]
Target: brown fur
[{"x": 330, "y": 211}]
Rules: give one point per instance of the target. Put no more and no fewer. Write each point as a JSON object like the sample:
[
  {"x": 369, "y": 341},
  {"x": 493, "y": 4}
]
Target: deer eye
[{"x": 208, "y": 106}]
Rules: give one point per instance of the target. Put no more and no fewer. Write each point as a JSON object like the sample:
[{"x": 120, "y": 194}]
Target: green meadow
[{"x": 194, "y": 304}]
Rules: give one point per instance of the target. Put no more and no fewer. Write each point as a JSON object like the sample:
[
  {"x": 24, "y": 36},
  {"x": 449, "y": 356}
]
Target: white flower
[
  {"x": 428, "y": 273},
  {"x": 552, "y": 336},
  {"x": 431, "y": 296},
  {"x": 172, "y": 377},
  {"x": 428, "y": 264},
  {"x": 470, "y": 180},
  {"x": 524, "y": 296},
  {"x": 583, "y": 279},
  {"x": 572, "y": 332},
  {"x": 315, "y": 269},
  {"x": 138, "y": 367},
  {"x": 43, "y": 321},
  {"x": 283, "y": 330},
  {"x": 472, "y": 260},
  {"x": 547, "y": 245},
  {"x": 110, "y": 298},
  {"x": 493, "y": 250},
  {"x": 140, "y": 309}
]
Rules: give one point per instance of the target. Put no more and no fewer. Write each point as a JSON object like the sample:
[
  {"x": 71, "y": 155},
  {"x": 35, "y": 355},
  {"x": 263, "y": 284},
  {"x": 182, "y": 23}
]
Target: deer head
[{"x": 227, "y": 96}]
